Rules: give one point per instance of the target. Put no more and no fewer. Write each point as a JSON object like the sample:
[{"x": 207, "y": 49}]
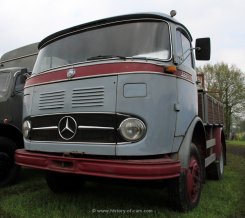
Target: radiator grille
[
  {"x": 52, "y": 100},
  {"x": 88, "y": 97},
  {"x": 103, "y": 128}
]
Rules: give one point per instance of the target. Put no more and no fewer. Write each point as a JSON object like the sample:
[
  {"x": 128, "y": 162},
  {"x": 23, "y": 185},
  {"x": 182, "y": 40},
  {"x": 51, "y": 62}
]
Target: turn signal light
[{"x": 170, "y": 69}]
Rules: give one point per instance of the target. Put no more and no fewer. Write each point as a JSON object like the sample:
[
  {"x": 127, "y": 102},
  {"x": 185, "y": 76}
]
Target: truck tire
[
  {"x": 63, "y": 182},
  {"x": 185, "y": 191},
  {"x": 216, "y": 170},
  {"x": 9, "y": 171}
]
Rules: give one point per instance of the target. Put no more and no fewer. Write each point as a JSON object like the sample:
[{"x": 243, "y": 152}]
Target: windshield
[
  {"x": 4, "y": 84},
  {"x": 139, "y": 39}
]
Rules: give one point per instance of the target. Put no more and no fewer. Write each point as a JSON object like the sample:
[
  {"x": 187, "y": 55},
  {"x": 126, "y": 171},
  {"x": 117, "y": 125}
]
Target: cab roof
[
  {"x": 78, "y": 28},
  {"x": 23, "y": 57}
]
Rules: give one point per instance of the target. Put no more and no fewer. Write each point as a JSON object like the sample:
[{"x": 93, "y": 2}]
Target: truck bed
[{"x": 210, "y": 110}]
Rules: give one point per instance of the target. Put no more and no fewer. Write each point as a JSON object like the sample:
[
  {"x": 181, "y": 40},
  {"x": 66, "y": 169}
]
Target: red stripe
[
  {"x": 93, "y": 70},
  {"x": 100, "y": 70},
  {"x": 184, "y": 75}
]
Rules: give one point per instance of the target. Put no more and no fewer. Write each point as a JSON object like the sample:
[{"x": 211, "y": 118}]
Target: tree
[
  {"x": 242, "y": 125},
  {"x": 226, "y": 84}
]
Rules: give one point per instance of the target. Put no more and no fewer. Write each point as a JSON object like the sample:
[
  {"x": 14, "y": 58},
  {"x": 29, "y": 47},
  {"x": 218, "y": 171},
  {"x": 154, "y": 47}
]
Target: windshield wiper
[{"x": 105, "y": 57}]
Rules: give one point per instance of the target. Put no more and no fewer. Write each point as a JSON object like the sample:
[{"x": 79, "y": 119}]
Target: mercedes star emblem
[
  {"x": 70, "y": 73},
  {"x": 67, "y": 127}
]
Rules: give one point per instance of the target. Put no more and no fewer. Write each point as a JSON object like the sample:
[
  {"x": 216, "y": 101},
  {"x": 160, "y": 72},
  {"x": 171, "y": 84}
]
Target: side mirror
[
  {"x": 21, "y": 77},
  {"x": 25, "y": 72},
  {"x": 203, "y": 49}
]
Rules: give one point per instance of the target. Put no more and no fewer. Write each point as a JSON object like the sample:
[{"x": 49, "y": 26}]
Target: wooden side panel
[{"x": 210, "y": 110}]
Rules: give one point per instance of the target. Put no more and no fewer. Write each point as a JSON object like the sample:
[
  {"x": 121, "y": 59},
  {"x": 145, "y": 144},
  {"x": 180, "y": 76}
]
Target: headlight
[
  {"x": 26, "y": 128},
  {"x": 132, "y": 129}
]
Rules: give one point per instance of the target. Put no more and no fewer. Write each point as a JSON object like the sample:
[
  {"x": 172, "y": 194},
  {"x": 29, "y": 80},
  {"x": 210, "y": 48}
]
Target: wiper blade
[{"x": 105, "y": 57}]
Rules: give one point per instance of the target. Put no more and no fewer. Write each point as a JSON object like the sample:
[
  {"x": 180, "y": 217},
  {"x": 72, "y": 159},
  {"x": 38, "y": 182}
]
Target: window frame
[{"x": 180, "y": 33}]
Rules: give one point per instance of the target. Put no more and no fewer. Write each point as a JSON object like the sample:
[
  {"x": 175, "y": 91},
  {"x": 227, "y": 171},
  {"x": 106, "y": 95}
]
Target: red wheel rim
[{"x": 193, "y": 180}]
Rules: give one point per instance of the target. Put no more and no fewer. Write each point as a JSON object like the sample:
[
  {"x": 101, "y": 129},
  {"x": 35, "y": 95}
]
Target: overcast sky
[{"x": 27, "y": 21}]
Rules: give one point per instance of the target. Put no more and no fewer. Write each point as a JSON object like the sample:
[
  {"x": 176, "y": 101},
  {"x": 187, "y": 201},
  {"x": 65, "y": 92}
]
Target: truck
[
  {"x": 118, "y": 99},
  {"x": 15, "y": 66}
]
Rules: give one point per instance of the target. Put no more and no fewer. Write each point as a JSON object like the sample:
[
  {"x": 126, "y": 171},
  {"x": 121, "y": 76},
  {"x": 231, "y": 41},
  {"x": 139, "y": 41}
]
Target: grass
[
  {"x": 32, "y": 198},
  {"x": 236, "y": 143}
]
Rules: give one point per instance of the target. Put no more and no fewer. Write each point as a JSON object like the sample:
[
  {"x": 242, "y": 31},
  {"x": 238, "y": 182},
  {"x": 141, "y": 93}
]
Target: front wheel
[
  {"x": 9, "y": 171},
  {"x": 185, "y": 191}
]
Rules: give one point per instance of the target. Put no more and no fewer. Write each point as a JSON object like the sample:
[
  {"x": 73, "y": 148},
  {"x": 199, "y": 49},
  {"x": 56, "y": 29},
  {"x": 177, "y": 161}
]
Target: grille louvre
[
  {"x": 52, "y": 100},
  {"x": 88, "y": 97},
  {"x": 46, "y": 128}
]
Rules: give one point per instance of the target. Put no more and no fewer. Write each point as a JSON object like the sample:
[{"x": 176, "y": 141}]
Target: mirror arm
[{"x": 190, "y": 49}]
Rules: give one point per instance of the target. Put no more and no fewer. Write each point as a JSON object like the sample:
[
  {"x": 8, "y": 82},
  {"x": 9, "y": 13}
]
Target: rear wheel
[
  {"x": 63, "y": 182},
  {"x": 185, "y": 191},
  {"x": 216, "y": 170},
  {"x": 9, "y": 171}
]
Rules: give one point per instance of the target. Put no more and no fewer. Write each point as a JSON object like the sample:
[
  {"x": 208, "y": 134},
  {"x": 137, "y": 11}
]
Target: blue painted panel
[
  {"x": 156, "y": 110},
  {"x": 135, "y": 90},
  {"x": 85, "y": 95},
  {"x": 187, "y": 99}
]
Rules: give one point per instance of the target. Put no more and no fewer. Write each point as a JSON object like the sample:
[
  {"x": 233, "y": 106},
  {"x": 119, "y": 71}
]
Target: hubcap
[{"x": 193, "y": 180}]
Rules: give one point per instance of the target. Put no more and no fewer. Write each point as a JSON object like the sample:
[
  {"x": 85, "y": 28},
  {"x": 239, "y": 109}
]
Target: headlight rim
[
  {"x": 26, "y": 127},
  {"x": 144, "y": 129}
]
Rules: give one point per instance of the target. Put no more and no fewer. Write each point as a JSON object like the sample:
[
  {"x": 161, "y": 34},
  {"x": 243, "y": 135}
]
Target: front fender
[{"x": 184, "y": 150}]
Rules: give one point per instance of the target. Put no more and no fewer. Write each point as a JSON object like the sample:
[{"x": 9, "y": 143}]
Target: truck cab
[
  {"x": 117, "y": 98},
  {"x": 11, "y": 88},
  {"x": 15, "y": 67}
]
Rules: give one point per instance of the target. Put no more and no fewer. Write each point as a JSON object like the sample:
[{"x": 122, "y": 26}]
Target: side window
[
  {"x": 20, "y": 82},
  {"x": 183, "y": 47},
  {"x": 4, "y": 84},
  {"x": 179, "y": 44}
]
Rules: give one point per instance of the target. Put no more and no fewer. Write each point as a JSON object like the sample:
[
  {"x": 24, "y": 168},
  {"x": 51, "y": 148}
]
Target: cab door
[
  {"x": 186, "y": 83},
  {"x": 5, "y": 92}
]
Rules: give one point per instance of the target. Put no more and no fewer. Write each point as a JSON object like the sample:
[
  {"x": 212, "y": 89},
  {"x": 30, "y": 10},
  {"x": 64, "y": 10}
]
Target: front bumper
[{"x": 146, "y": 169}]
